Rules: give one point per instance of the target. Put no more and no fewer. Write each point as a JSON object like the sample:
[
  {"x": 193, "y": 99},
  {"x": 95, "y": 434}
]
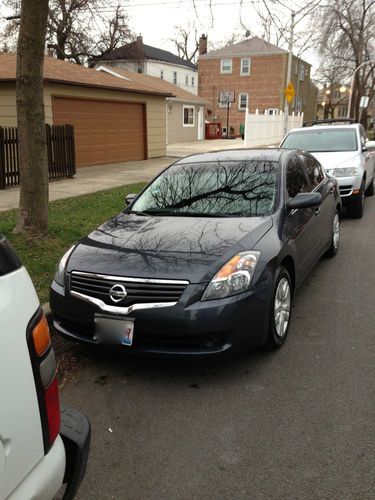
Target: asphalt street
[{"x": 295, "y": 424}]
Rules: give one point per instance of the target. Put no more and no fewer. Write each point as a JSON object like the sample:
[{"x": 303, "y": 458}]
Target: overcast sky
[{"x": 156, "y": 20}]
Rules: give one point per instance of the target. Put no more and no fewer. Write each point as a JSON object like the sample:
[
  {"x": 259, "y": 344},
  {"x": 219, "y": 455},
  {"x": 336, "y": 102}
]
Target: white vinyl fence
[{"x": 268, "y": 130}]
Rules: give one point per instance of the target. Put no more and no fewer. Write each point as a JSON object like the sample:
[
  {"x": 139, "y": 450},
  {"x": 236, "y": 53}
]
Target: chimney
[
  {"x": 140, "y": 41},
  {"x": 203, "y": 45}
]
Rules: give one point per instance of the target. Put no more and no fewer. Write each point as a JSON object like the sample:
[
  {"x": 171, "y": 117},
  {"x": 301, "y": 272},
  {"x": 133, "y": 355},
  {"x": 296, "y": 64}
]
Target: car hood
[
  {"x": 335, "y": 159},
  {"x": 185, "y": 248}
]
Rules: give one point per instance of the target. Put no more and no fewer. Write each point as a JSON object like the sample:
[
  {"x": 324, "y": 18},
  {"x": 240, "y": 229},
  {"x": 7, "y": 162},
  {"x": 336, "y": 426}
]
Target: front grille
[
  {"x": 345, "y": 190},
  {"x": 139, "y": 291}
]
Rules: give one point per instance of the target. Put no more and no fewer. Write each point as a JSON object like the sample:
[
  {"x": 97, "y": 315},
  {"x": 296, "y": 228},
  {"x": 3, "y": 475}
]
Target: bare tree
[
  {"x": 347, "y": 32},
  {"x": 185, "y": 41},
  {"x": 83, "y": 31},
  {"x": 33, "y": 207}
]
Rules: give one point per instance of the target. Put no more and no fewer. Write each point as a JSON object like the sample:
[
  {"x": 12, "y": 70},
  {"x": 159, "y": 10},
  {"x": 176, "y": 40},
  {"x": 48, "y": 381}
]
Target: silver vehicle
[{"x": 341, "y": 147}]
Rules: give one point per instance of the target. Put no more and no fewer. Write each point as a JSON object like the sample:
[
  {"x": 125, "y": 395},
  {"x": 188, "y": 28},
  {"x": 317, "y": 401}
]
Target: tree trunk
[{"x": 33, "y": 207}]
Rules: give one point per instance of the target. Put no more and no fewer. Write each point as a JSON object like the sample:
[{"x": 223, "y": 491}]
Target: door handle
[{"x": 317, "y": 211}]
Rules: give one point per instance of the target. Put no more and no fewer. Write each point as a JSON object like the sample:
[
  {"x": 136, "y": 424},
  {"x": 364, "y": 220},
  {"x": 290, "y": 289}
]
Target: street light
[{"x": 352, "y": 84}]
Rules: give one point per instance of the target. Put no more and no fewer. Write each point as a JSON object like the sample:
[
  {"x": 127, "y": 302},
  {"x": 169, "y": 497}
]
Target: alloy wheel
[
  {"x": 336, "y": 231},
  {"x": 282, "y": 307}
]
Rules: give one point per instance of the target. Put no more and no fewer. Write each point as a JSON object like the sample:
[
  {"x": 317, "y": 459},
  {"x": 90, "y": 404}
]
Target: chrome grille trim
[
  {"x": 120, "y": 310},
  {"x": 134, "y": 280}
]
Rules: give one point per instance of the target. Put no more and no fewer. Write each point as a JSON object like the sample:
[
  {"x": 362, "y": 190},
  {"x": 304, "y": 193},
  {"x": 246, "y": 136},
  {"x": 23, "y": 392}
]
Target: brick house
[{"x": 257, "y": 72}]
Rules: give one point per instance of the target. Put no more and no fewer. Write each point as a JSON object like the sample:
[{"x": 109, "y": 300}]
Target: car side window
[
  {"x": 296, "y": 179},
  {"x": 314, "y": 170}
]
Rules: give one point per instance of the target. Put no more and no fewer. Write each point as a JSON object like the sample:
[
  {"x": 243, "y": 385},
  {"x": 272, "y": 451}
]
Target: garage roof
[
  {"x": 155, "y": 83},
  {"x": 69, "y": 73}
]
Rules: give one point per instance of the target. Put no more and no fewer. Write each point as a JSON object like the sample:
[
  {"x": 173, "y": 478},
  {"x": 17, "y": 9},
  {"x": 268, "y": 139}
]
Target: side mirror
[
  {"x": 370, "y": 145},
  {"x": 304, "y": 200},
  {"x": 129, "y": 198}
]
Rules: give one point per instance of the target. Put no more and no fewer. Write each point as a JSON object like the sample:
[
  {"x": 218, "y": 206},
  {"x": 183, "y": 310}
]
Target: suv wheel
[
  {"x": 355, "y": 209},
  {"x": 370, "y": 189}
]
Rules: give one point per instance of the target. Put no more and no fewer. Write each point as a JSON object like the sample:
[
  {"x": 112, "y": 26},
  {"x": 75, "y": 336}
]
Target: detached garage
[
  {"x": 115, "y": 119},
  {"x": 105, "y": 131}
]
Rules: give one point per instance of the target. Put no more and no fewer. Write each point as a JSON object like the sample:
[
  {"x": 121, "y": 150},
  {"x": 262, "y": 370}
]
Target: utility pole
[{"x": 289, "y": 74}]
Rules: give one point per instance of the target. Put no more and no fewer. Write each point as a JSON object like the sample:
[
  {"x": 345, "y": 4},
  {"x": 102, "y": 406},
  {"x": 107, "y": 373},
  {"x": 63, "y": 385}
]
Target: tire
[
  {"x": 370, "y": 189},
  {"x": 355, "y": 209},
  {"x": 335, "y": 238},
  {"x": 282, "y": 292}
]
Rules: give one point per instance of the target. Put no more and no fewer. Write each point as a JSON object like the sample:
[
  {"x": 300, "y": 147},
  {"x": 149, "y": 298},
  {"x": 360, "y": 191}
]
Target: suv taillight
[{"x": 44, "y": 368}]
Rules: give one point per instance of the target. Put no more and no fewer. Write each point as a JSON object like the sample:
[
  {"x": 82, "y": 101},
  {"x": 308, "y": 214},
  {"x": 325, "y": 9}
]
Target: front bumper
[
  {"x": 75, "y": 432},
  {"x": 189, "y": 328},
  {"x": 349, "y": 188}
]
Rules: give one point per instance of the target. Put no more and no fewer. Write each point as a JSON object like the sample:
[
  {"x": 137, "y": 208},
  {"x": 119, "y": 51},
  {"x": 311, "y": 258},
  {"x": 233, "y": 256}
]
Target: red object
[
  {"x": 51, "y": 398},
  {"x": 213, "y": 130}
]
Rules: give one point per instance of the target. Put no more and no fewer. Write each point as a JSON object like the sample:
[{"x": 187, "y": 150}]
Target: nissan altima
[{"x": 205, "y": 260}]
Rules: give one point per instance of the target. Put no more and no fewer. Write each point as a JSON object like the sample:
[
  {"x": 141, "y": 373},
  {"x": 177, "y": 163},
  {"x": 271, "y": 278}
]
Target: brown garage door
[{"x": 105, "y": 131}]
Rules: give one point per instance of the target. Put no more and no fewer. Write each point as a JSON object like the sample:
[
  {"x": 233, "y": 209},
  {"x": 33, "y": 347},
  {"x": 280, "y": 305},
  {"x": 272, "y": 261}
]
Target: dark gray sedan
[{"x": 205, "y": 260}]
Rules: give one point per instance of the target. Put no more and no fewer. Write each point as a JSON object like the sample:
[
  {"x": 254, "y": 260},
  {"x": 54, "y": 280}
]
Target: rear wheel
[
  {"x": 335, "y": 238},
  {"x": 281, "y": 308},
  {"x": 355, "y": 209}
]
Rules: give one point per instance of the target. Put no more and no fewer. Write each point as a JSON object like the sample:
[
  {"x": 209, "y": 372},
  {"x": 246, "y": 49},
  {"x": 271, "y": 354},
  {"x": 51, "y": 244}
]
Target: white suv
[
  {"x": 41, "y": 447},
  {"x": 340, "y": 146}
]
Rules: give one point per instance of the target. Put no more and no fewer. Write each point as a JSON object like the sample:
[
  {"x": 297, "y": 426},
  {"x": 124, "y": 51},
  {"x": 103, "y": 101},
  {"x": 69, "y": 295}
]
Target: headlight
[
  {"x": 234, "y": 277},
  {"x": 59, "y": 276},
  {"x": 345, "y": 171}
]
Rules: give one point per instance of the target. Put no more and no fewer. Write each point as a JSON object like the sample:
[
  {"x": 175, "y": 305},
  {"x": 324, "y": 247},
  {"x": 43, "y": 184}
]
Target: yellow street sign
[{"x": 289, "y": 92}]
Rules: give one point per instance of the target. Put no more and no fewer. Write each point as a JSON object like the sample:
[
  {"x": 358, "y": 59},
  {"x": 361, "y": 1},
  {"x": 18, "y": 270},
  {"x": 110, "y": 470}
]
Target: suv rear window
[{"x": 322, "y": 140}]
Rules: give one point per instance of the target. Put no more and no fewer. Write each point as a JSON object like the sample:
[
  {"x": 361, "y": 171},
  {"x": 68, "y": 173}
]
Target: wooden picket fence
[{"x": 60, "y": 153}]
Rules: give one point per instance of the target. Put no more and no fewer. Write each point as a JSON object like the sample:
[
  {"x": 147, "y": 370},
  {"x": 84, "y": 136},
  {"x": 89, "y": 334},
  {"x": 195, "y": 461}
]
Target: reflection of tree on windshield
[{"x": 227, "y": 188}]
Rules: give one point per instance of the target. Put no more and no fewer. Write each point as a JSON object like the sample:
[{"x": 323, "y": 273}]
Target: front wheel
[
  {"x": 356, "y": 207},
  {"x": 335, "y": 238},
  {"x": 281, "y": 308},
  {"x": 370, "y": 189}
]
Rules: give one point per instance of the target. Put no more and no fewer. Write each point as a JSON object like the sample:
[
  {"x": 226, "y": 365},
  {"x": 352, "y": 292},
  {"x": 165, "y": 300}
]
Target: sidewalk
[
  {"x": 99, "y": 177},
  {"x": 92, "y": 179}
]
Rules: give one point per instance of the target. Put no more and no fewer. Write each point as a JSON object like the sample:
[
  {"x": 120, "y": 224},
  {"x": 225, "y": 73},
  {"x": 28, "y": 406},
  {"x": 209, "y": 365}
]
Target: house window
[
  {"x": 175, "y": 77},
  {"x": 140, "y": 69},
  {"x": 192, "y": 81},
  {"x": 161, "y": 74},
  {"x": 302, "y": 73},
  {"x": 245, "y": 67},
  {"x": 186, "y": 80},
  {"x": 242, "y": 102},
  {"x": 226, "y": 66},
  {"x": 188, "y": 116}
]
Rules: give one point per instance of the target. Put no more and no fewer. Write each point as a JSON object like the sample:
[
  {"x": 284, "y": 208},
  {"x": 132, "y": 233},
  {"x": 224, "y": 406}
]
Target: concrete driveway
[{"x": 181, "y": 149}]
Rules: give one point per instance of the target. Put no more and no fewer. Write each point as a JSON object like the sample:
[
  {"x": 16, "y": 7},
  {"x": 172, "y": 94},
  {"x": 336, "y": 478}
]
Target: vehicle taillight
[{"x": 44, "y": 368}]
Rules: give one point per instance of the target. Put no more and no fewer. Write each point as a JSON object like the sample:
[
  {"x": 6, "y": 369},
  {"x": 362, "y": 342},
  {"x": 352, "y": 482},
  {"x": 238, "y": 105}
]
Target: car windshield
[
  {"x": 322, "y": 140},
  {"x": 228, "y": 188}
]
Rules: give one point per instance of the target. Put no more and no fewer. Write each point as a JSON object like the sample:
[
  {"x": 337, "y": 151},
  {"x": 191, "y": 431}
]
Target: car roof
[
  {"x": 325, "y": 127},
  {"x": 268, "y": 154}
]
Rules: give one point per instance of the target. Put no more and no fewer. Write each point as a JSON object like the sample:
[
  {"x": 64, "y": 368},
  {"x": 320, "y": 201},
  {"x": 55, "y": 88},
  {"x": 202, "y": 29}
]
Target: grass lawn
[{"x": 69, "y": 220}]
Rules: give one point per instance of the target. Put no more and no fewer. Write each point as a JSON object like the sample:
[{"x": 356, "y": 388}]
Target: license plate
[{"x": 114, "y": 330}]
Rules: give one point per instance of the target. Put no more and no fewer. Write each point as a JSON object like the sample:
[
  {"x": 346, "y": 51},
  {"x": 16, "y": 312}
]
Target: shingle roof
[
  {"x": 158, "y": 84},
  {"x": 134, "y": 51},
  {"x": 69, "y": 73},
  {"x": 249, "y": 47}
]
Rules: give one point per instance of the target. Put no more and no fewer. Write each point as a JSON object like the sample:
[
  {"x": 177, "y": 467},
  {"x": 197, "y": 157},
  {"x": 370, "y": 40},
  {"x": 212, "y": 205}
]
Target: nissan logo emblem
[{"x": 117, "y": 293}]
